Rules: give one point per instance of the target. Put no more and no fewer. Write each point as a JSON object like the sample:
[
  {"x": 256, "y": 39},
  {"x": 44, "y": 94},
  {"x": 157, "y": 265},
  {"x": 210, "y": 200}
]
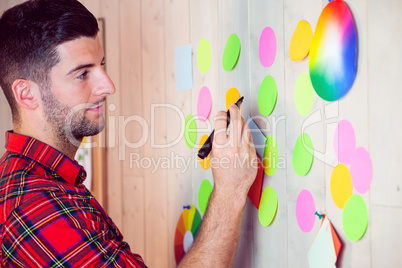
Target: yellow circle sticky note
[
  {"x": 303, "y": 155},
  {"x": 232, "y": 96},
  {"x": 355, "y": 218},
  {"x": 190, "y": 131},
  {"x": 205, "y": 164},
  {"x": 204, "y": 55},
  {"x": 203, "y": 195},
  {"x": 341, "y": 185},
  {"x": 268, "y": 206},
  {"x": 304, "y": 94},
  {"x": 301, "y": 41},
  {"x": 267, "y": 96},
  {"x": 271, "y": 156}
]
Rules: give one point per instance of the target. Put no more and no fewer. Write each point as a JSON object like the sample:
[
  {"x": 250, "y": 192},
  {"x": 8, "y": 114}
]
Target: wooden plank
[
  {"x": 153, "y": 83},
  {"x": 177, "y": 29},
  {"x": 354, "y": 253},
  {"x": 299, "y": 242},
  {"x": 234, "y": 18},
  {"x": 384, "y": 69},
  {"x": 110, "y": 11},
  {"x": 385, "y": 227},
  {"x": 99, "y": 150},
  {"x": 133, "y": 214},
  {"x": 131, "y": 98},
  {"x": 99, "y": 141},
  {"x": 270, "y": 243},
  {"x": 203, "y": 24}
]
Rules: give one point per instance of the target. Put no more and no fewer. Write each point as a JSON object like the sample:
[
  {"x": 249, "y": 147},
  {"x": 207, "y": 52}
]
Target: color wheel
[{"x": 186, "y": 230}]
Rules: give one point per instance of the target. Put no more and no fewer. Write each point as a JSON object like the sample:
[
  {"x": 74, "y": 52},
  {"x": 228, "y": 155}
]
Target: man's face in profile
[{"x": 74, "y": 102}]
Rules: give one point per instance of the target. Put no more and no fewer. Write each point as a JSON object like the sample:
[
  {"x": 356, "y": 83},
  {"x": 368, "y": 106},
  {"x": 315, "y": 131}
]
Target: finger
[
  {"x": 220, "y": 136},
  {"x": 247, "y": 137},
  {"x": 236, "y": 126}
]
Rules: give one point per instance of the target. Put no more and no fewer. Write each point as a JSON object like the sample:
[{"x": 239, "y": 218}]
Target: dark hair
[{"x": 29, "y": 36}]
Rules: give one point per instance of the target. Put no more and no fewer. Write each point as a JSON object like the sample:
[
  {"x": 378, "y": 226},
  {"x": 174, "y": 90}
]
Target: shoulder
[{"x": 21, "y": 179}]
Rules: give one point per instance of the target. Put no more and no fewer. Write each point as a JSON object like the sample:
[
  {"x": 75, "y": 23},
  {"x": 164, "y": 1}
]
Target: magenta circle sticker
[
  {"x": 267, "y": 47},
  {"x": 344, "y": 141},
  {"x": 204, "y": 104},
  {"x": 361, "y": 170},
  {"x": 305, "y": 211}
]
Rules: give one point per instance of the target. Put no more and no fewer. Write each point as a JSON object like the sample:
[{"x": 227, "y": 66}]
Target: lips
[{"x": 98, "y": 108}]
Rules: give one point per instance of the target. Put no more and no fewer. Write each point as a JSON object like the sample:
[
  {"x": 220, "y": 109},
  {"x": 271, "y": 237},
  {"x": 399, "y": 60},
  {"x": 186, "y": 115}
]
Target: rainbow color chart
[
  {"x": 186, "y": 230},
  {"x": 333, "y": 52}
]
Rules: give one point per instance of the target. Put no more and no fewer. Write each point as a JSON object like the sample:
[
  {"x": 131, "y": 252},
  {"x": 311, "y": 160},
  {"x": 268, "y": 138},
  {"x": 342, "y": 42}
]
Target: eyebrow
[
  {"x": 79, "y": 67},
  {"x": 83, "y": 66}
]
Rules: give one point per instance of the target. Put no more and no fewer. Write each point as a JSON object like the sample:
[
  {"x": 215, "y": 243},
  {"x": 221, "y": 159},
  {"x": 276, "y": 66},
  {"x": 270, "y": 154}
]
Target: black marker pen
[{"x": 207, "y": 147}]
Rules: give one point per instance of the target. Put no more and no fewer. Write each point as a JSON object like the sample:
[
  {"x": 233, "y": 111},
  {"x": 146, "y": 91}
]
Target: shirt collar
[{"x": 46, "y": 155}]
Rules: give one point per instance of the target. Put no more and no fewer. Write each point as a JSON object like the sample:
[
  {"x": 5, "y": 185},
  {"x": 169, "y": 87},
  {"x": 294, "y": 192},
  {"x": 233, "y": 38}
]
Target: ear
[{"x": 24, "y": 93}]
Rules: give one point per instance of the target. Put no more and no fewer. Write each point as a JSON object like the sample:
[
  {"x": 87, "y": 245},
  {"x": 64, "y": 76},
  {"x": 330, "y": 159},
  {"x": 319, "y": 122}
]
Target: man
[{"x": 51, "y": 74}]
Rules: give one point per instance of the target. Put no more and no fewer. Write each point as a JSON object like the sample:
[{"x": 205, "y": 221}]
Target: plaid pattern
[{"x": 47, "y": 216}]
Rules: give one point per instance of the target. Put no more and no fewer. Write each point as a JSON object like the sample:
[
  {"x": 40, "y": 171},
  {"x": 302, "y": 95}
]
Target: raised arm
[{"x": 234, "y": 166}]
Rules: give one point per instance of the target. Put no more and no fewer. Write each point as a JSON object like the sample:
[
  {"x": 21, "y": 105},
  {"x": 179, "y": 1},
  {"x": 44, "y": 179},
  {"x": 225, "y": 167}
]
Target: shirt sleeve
[{"x": 56, "y": 229}]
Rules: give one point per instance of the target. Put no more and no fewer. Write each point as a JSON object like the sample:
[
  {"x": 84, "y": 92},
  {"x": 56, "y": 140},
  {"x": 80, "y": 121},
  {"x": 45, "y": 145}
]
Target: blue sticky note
[
  {"x": 184, "y": 67},
  {"x": 258, "y": 138}
]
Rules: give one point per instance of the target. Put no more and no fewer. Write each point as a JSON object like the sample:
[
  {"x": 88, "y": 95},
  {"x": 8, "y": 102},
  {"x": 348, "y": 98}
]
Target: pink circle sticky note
[
  {"x": 204, "y": 104},
  {"x": 305, "y": 211},
  {"x": 267, "y": 47},
  {"x": 361, "y": 170},
  {"x": 344, "y": 141}
]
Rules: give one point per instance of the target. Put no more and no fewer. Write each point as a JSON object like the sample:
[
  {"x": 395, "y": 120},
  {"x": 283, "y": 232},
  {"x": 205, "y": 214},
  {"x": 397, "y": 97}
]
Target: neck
[{"x": 59, "y": 141}]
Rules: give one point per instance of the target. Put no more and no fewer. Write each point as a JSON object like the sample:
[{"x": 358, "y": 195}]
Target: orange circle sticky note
[
  {"x": 341, "y": 185},
  {"x": 232, "y": 95},
  {"x": 205, "y": 164}
]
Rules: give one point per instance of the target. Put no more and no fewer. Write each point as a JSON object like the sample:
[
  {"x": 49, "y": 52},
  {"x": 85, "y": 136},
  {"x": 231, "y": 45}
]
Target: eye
[
  {"x": 83, "y": 75},
  {"x": 103, "y": 62}
]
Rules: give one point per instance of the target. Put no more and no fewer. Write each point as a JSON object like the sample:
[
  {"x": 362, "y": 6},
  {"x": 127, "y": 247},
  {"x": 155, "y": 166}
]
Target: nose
[{"x": 105, "y": 85}]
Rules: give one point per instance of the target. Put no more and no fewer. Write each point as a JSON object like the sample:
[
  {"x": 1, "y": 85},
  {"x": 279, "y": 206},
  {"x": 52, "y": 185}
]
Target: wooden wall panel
[
  {"x": 355, "y": 254},
  {"x": 131, "y": 102},
  {"x": 111, "y": 12},
  {"x": 203, "y": 24},
  {"x": 177, "y": 33},
  {"x": 270, "y": 243},
  {"x": 154, "y": 92},
  {"x": 146, "y": 203},
  {"x": 314, "y": 180}
]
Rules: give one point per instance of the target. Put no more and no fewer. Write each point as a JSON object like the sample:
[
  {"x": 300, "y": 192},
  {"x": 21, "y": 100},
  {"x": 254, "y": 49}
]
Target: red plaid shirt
[{"x": 47, "y": 216}]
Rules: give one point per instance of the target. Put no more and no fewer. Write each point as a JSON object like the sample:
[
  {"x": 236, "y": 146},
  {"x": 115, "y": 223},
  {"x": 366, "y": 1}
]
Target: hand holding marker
[{"x": 207, "y": 147}]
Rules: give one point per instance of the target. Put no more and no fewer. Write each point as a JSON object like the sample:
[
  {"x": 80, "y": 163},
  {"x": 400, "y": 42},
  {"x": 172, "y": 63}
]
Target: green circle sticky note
[
  {"x": 190, "y": 131},
  {"x": 303, "y": 155},
  {"x": 304, "y": 94},
  {"x": 268, "y": 206},
  {"x": 203, "y": 195},
  {"x": 231, "y": 52},
  {"x": 204, "y": 55},
  {"x": 267, "y": 96},
  {"x": 355, "y": 218},
  {"x": 271, "y": 156}
]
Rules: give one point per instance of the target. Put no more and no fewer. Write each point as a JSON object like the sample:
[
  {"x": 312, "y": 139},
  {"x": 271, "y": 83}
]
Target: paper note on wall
[
  {"x": 325, "y": 249},
  {"x": 258, "y": 138},
  {"x": 184, "y": 67}
]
